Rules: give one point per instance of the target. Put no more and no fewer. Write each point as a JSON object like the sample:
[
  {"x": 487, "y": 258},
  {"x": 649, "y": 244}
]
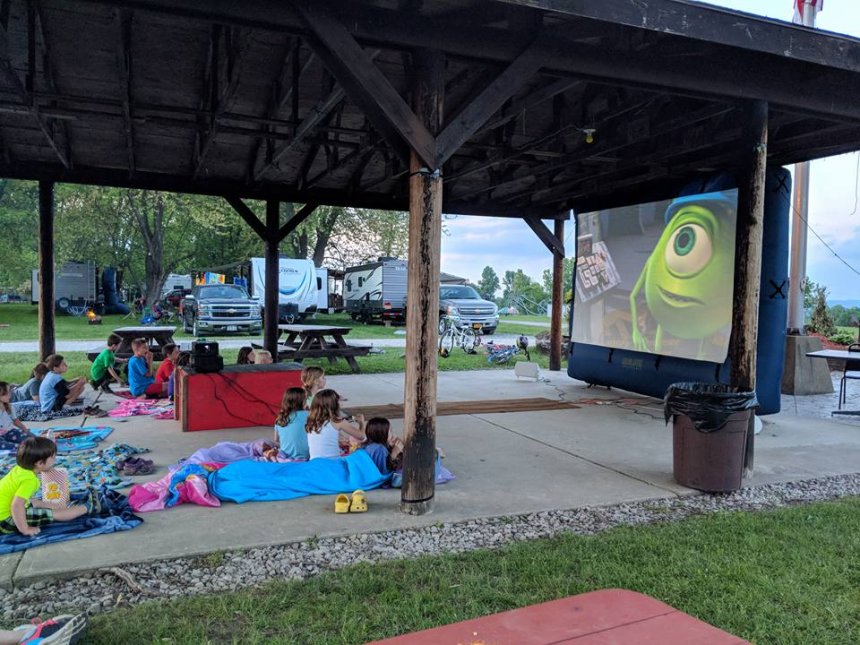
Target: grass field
[{"x": 784, "y": 577}]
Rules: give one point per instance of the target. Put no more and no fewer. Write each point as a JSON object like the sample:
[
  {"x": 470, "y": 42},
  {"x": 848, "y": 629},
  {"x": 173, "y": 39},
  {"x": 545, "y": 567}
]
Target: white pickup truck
[{"x": 468, "y": 309}]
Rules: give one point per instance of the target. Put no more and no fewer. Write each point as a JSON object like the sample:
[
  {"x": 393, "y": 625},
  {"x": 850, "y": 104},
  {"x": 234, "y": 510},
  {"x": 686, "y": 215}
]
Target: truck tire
[
  {"x": 63, "y": 304},
  {"x": 194, "y": 330}
]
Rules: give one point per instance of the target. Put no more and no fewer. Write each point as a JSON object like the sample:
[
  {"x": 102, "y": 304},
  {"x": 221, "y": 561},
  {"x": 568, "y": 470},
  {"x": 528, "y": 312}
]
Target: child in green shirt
[
  {"x": 102, "y": 367},
  {"x": 18, "y": 512}
]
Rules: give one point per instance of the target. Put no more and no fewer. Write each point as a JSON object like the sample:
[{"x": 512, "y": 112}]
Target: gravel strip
[{"x": 108, "y": 588}]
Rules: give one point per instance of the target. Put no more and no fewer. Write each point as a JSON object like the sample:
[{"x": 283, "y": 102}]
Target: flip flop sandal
[
  {"x": 359, "y": 502},
  {"x": 341, "y": 504}
]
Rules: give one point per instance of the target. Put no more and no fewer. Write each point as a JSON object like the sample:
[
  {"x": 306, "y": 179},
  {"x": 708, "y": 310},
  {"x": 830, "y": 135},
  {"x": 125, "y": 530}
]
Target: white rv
[
  {"x": 322, "y": 285},
  {"x": 298, "y": 287},
  {"x": 75, "y": 287},
  {"x": 376, "y": 290}
]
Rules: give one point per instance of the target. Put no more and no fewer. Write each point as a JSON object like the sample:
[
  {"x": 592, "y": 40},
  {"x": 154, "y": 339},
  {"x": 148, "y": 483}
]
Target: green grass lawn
[{"x": 786, "y": 576}]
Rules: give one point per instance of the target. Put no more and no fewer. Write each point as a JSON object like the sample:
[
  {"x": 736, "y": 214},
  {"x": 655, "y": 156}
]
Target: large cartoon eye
[{"x": 689, "y": 249}]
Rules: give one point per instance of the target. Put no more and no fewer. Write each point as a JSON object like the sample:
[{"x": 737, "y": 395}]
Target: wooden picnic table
[
  {"x": 156, "y": 337},
  {"x": 318, "y": 341}
]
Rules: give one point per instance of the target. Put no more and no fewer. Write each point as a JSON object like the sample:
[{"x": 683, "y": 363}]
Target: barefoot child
[
  {"x": 290, "y": 435},
  {"x": 325, "y": 422},
  {"x": 19, "y": 513}
]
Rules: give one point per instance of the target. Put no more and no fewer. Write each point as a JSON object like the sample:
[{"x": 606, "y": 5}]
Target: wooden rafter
[
  {"x": 123, "y": 55},
  {"x": 27, "y": 99},
  {"x": 220, "y": 98},
  {"x": 366, "y": 85},
  {"x": 248, "y": 215},
  {"x": 555, "y": 245},
  {"x": 288, "y": 227}
]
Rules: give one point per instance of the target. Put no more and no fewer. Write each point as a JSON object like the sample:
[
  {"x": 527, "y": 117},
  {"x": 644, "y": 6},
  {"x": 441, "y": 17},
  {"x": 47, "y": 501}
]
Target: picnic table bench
[
  {"x": 156, "y": 337},
  {"x": 318, "y": 341}
]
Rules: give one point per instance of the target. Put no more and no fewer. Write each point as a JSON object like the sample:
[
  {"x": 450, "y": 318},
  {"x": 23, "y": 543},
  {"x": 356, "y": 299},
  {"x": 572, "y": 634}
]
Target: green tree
[
  {"x": 521, "y": 290},
  {"x": 567, "y": 276},
  {"x": 488, "y": 284},
  {"x": 821, "y": 321},
  {"x": 19, "y": 207}
]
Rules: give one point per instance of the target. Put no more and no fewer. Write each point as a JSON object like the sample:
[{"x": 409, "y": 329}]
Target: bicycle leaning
[
  {"x": 451, "y": 335},
  {"x": 500, "y": 354}
]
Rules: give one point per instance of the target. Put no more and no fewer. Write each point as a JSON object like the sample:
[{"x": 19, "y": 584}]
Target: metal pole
[{"x": 799, "y": 219}]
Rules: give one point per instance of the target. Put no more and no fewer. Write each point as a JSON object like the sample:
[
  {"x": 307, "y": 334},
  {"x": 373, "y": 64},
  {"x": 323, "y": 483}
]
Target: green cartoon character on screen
[{"x": 688, "y": 278}]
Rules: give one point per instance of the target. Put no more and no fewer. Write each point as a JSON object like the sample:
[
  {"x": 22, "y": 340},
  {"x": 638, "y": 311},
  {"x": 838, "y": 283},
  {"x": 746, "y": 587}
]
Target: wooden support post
[
  {"x": 422, "y": 312},
  {"x": 270, "y": 320},
  {"x": 557, "y": 302},
  {"x": 748, "y": 248},
  {"x": 47, "y": 340}
]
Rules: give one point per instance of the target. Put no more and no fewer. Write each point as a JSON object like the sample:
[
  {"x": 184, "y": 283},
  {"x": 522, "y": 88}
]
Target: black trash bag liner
[{"x": 708, "y": 405}]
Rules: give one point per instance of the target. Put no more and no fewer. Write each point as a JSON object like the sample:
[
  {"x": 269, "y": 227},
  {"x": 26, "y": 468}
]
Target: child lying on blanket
[
  {"x": 18, "y": 511},
  {"x": 290, "y": 435},
  {"x": 325, "y": 422}
]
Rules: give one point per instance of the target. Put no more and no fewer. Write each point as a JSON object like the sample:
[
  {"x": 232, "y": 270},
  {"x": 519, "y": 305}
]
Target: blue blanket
[
  {"x": 116, "y": 516},
  {"x": 94, "y": 435},
  {"x": 245, "y": 481}
]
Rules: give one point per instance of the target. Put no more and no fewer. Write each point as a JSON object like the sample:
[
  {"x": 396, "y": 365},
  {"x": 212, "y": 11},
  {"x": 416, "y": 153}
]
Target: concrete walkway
[{"x": 505, "y": 464}]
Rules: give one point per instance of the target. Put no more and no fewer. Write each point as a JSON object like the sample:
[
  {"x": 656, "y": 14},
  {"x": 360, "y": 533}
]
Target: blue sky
[{"x": 508, "y": 244}]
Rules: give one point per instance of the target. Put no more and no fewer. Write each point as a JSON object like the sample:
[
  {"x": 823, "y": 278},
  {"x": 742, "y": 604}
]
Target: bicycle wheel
[
  {"x": 469, "y": 341},
  {"x": 446, "y": 343}
]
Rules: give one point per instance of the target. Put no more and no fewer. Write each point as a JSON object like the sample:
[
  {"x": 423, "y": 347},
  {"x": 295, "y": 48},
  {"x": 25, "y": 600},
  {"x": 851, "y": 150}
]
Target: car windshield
[
  {"x": 222, "y": 291},
  {"x": 458, "y": 292}
]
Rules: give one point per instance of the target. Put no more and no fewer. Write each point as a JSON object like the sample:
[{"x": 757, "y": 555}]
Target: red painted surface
[
  {"x": 606, "y": 617},
  {"x": 237, "y": 397}
]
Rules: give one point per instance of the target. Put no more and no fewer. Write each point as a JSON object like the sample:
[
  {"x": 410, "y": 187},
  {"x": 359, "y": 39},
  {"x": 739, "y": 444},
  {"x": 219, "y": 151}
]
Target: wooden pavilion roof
[{"x": 307, "y": 100}]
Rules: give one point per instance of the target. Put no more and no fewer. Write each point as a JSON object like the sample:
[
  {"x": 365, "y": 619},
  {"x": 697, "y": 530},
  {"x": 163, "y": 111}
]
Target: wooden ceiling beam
[
  {"x": 366, "y": 85},
  {"x": 123, "y": 19},
  {"x": 288, "y": 227},
  {"x": 248, "y": 215},
  {"x": 531, "y": 100},
  {"x": 222, "y": 99},
  {"x": 27, "y": 99},
  {"x": 473, "y": 116}
]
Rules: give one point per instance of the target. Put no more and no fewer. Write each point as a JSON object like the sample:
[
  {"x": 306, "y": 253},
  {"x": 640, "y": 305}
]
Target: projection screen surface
[{"x": 658, "y": 277}]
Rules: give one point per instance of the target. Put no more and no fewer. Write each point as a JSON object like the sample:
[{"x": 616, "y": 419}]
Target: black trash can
[{"x": 710, "y": 427}]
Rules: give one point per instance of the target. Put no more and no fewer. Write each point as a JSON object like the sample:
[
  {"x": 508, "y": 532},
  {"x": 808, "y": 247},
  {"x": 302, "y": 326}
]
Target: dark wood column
[
  {"x": 270, "y": 321},
  {"x": 422, "y": 307},
  {"x": 557, "y": 301},
  {"x": 47, "y": 340},
  {"x": 748, "y": 247}
]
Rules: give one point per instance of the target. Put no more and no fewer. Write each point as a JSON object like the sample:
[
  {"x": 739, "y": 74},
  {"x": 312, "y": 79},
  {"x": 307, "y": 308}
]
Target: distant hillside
[{"x": 845, "y": 303}]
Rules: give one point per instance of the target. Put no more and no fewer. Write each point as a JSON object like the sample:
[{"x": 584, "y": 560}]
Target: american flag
[{"x": 817, "y": 5}]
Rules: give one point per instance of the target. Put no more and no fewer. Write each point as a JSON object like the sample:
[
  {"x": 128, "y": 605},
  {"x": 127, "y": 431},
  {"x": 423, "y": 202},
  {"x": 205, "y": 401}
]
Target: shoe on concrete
[{"x": 105, "y": 387}]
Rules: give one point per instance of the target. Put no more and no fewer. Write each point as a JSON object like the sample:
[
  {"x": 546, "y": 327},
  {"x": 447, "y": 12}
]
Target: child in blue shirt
[
  {"x": 141, "y": 381},
  {"x": 290, "y": 435}
]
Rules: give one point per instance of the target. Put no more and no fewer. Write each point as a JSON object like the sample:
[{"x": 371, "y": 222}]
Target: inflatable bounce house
[{"x": 654, "y": 285}]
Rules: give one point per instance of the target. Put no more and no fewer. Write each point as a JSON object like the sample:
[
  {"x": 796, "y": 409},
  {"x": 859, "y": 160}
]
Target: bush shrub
[{"x": 841, "y": 338}]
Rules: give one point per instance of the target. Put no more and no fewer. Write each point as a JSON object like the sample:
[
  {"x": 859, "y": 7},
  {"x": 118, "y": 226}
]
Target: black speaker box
[
  {"x": 204, "y": 348},
  {"x": 204, "y": 364}
]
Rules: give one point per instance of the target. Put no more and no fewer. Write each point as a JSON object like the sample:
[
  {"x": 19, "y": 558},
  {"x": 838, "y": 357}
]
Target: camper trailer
[
  {"x": 322, "y": 285},
  {"x": 75, "y": 287},
  {"x": 298, "y": 287},
  {"x": 376, "y": 291}
]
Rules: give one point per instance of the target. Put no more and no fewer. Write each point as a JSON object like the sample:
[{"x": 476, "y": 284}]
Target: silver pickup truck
[
  {"x": 220, "y": 308},
  {"x": 466, "y": 306}
]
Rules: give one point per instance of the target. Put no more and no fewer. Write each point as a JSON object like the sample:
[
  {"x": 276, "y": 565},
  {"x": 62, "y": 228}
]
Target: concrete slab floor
[{"x": 505, "y": 464}]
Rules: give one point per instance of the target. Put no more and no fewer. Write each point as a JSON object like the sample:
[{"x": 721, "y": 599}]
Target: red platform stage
[
  {"x": 606, "y": 617},
  {"x": 239, "y": 396}
]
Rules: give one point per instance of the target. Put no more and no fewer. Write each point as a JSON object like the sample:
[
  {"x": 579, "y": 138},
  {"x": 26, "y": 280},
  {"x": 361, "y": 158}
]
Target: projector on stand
[{"x": 205, "y": 358}]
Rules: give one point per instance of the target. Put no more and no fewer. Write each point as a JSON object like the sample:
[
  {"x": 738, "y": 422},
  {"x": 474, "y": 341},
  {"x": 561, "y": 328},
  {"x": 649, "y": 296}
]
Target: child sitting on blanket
[
  {"x": 325, "y": 422},
  {"x": 262, "y": 357},
  {"x": 18, "y": 511},
  {"x": 290, "y": 435},
  {"x": 55, "y": 391},
  {"x": 102, "y": 370},
  {"x": 141, "y": 382},
  {"x": 171, "y": 352},
  {"x": 11, "y": 427},
  {"x": 385, "y": 449},
  {"x": 29, "y": 392}
]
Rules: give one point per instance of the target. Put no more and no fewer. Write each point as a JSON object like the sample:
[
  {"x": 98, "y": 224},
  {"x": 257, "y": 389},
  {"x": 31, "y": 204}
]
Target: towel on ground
[
  {"x": 71, "y": 438},
  {"x": 116, "y": 516},
  {"x": 245, "y": 481}
]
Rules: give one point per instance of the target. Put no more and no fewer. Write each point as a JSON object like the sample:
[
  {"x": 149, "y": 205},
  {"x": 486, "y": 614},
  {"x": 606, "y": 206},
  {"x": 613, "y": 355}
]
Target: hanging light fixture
[{"x": 589, "y": 134}]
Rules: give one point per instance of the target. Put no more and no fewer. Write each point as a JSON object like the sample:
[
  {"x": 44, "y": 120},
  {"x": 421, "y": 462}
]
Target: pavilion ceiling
[{"x": 551, "y": 105}]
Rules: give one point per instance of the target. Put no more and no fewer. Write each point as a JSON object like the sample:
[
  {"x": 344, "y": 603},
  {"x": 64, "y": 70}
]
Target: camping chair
[{"x": 850, "y": 371}]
